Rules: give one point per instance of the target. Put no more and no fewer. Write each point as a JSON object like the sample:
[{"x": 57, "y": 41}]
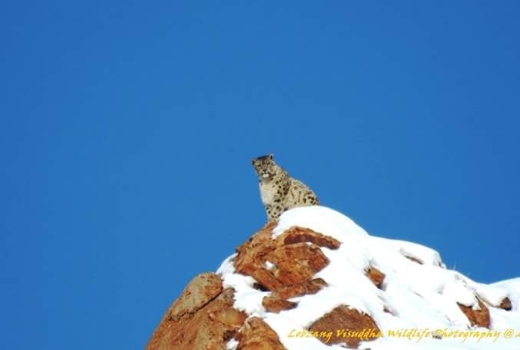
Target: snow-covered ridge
[{"x": 418, "y": 296}]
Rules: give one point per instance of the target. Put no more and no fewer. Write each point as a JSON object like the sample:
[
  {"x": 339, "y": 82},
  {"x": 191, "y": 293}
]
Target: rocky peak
[{"x": 316, "y": 280}]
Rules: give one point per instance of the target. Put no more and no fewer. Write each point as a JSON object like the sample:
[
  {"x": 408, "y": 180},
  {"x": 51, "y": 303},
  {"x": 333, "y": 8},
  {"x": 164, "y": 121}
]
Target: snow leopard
[{"x": 278, "y": 190}]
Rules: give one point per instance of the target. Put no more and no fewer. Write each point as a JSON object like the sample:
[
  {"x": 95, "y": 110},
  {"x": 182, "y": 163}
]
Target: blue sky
[{"x": 128, "y": 128}]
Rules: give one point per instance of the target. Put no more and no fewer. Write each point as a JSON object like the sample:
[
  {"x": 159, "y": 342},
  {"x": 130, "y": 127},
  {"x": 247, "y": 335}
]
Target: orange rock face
[
  {"x": 294, "y": 258},
  {"x": 276, "y": 304},
  {"x": 505, "y": 304},
  {"x": 297, "y": 263},
  {"x": 300, "y": 235},
  {"x": 478, "y": 318},
  {"x": 257, "y": 335},
  {"x": 376, "y": 276},
  {"x": 250, "y": 259},
  {"x": 298, "y": 289},
  {"x": 199, "y": 292},
  {"x": 203, "y": 316},
  {"x": 348, "y": 326}
]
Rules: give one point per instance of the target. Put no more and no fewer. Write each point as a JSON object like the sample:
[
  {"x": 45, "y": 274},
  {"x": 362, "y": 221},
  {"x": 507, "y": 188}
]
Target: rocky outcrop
[
  {"x": 277, "y": 304},
  {"x": 477, "y": 316},
  {"x": 505, "y": 304},
  {"x": 376, "y": 276},
  {"x": 285, "y": 265},
  {"x": 203, "y": 317},
  {"x": 346, "y": 325},
  {"x": 299, "y": 289},
  {"x": 257, "y": 335}
]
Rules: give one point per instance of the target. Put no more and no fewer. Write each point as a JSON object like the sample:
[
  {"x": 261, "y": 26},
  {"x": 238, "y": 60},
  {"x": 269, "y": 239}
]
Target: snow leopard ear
[{"x": 271, "y": 156}]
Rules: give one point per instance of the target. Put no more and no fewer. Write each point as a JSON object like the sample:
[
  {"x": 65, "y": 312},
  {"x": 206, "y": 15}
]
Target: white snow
[{"x": 422, "y": 298}]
